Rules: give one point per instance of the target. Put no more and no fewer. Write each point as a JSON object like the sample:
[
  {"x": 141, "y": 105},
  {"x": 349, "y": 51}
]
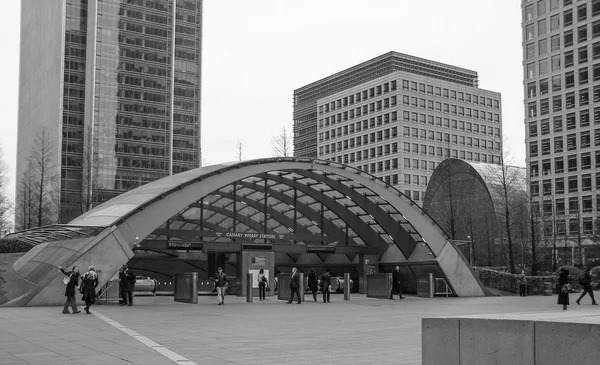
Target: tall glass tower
[
  {"x": 561, "y": 49},
  {"x": 115, "y": 85}
]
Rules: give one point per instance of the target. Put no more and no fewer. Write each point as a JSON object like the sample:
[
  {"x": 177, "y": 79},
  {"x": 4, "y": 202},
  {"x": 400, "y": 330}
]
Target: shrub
[
  {"x": 510, "y": 282},
  {"x": 8, "y": 245}
]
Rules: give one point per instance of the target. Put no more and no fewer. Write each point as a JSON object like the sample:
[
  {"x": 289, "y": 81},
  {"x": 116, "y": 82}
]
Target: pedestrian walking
[
  {"x": 396, "y": 283},
  {"x": 73, "y": 277},
  {"x": 295, "y": 286},
  {"x": 221, "y": 285},
  {"x": 263, "y": 282},
  {"x": 522, "y": 284},
  {"x": 89, "y": 282},
  {"x": 326, "y": 286},
  {"x": 586, "y": 283},
  {"x": 563, "y": 288},
  {"x": 313, "y": 283}
]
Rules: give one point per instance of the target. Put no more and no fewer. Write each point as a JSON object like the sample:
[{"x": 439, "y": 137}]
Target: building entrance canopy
[{"x": 283, "y": 201}]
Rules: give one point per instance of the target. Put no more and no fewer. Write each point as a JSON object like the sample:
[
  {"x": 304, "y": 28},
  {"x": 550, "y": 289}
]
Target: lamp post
[{"x": 471, "y": 261}]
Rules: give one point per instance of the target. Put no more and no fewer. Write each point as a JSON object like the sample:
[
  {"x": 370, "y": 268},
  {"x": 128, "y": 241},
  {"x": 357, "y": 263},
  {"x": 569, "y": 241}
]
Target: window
[
  {"x": 533, "y": 149},
  {"x": 573, "y": 205},
  {"x": 541, "y": 7},
  {"x": 569, "y": 79},
  {"x": 595, "y": 7},
  {"x": 582, "y": 12},
  {"x": 555, "y": 43},
  {"x": 571, "y": 142},
  {"x": 586, "y": 184},
  {"x": 583, "y": 75},
  {"x": 572, "y": 163},
  {"x": 556, "y": 83},
  {"x": 596, "y": 29},
  {"x": 586, "y": 161},
  {"x": 557, "y": 124},
  {"x": 559, "y": 188},
  {"x": 583, "y": 54},
  {"x": 559, "y": 165},
  {"x": 557, "y": 103},
  {"x": 570, "y": 100},
  {"x": 530, "y": 70},
  {"x": 584, "y": 118},
  {"x": 558, "y": 144},
  {"x": 543, "y": 86},
  {"x": 554, "y": 22},
  {"x": 572, "y": 184},
  {"x": 568, "y": 17},
  {"x": 543, "y": 66},
  {"x": 528, "y": 13},
  {"x": 569, "y": 59},
  {"x": 529, "y": 32},
  {"x": 582, "y": 34}
]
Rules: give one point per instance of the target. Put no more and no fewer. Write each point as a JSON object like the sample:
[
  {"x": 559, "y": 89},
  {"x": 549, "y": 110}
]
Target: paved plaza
[{"x": 159, "y": 331}]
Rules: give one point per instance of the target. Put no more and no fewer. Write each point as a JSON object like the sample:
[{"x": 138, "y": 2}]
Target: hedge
[
  {"x": 11, "y": 245},
  {"x": 510, "y": 282}
]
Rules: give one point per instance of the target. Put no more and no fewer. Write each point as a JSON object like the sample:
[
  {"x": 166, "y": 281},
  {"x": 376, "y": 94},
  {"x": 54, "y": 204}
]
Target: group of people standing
[
  {"x": 313, "y": 284},
  {"x": 89, "y": 282}
]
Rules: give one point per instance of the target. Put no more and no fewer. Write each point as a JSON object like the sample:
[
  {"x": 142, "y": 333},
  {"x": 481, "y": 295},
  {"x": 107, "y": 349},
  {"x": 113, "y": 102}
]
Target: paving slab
[{"x": 360, "y": 331}]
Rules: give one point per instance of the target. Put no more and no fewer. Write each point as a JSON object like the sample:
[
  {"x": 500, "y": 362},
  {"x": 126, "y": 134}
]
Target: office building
[
  {"x": 115, "y": 86},
  {"x": 561, "y": 48},
  {"x": 397, "y": 116}
]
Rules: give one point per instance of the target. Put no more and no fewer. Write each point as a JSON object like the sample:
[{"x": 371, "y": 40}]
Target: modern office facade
[
  {"x": 116, "y": 86},
  {"x": 561, "y": 52},
  {"x": 398, "y": 116}
]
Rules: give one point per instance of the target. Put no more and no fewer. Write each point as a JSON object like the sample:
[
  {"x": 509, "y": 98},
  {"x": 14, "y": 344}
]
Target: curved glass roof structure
[{"x": 277, "y": 200}]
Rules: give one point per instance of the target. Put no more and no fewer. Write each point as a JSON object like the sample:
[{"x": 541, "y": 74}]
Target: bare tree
[
  {"x": 42, "y": 180},
  {"x": 6, "y": 204},
  {"x": 507, "y": 180},
  {"x": 238, "y": 149},
  {"x": 282, "y": 144},
  {"x": 90, "y": 168}
]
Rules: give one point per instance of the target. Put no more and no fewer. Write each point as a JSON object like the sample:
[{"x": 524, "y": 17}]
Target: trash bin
[
  {"x": 547, "y": 289},
  {"x": 186, "y": 288}
]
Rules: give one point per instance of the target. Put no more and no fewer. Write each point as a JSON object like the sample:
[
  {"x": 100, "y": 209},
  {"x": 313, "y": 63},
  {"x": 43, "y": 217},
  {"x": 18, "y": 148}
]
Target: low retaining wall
[{"x": 516, "y": 339}]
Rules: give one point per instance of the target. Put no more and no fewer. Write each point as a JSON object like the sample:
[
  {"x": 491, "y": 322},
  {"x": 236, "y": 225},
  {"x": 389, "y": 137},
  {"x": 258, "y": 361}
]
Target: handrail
[{"x": 447, "y": 290}]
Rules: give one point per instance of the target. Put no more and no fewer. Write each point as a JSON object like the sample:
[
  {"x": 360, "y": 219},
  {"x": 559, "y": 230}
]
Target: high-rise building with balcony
[
  {"x": 397, "y": 116},
  {"x": 115, "y": 88},
  {"x": 561, "y": 52}
]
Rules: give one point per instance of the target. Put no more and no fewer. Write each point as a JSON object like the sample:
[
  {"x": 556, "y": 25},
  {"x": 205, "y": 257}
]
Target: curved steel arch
[{"x": 134, "y": 215}]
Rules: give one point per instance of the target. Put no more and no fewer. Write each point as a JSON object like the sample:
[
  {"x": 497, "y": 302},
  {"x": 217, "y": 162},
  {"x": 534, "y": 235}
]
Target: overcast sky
[{"x": 255, "y": 53}]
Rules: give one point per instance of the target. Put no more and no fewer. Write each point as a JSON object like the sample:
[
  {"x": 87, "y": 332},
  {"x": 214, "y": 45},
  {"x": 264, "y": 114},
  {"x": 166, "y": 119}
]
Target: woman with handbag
[
  {"x": 72, "y": 280},
  {"x": 263, "y": 283},
  {"x": 563, "y": 288},
  {"x": 89, "y": 282}
]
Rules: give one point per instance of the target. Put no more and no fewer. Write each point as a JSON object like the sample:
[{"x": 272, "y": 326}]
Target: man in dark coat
[
  {"x": 295, "y": 286},
  {"x": 126, "y": 283},
  {"x": 221, "y": 285},
  {"x": 396, "y": 285},
  {"x": 325, "y": 283},
  {"x": 586, "y": 283}
]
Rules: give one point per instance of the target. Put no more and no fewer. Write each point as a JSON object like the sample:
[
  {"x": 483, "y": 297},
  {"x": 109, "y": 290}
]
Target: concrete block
[
  {"x": 440, "y": 344},
  {"x": 566, "y": 343},
  {"x": 498, "y": 342}
]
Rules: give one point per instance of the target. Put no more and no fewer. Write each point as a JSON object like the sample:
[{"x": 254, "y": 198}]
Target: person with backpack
[
  {"x": 73, "y": 277},
  {"x": 585, "y": 281}
]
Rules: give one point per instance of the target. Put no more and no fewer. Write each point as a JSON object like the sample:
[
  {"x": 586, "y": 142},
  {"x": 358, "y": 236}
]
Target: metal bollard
[
  {"x": 346, "y": 286},
  {"x": 249, "y": 288}
]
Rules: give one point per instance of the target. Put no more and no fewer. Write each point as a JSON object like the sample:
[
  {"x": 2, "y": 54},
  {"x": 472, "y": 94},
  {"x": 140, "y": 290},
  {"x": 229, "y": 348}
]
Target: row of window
[
  {"x": 388, "y": 149},
  {"x": 571, "y": 141},
  {"x": 558, "y": 206},
  {"x": 568, "y": 40},
  {"x": 409, "y": 101},
  {"x": 557, "y": 80},
  {"x": 543, "y": 7},
  {"x": 574, "y": 224},
  {"x": 573, "y": 186},
  {"x": 406, "y": 85},
  {"x": 559, "y": 164},
  {"x": 407, "y": 117},
  {"x": 557, "y": 123}
]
